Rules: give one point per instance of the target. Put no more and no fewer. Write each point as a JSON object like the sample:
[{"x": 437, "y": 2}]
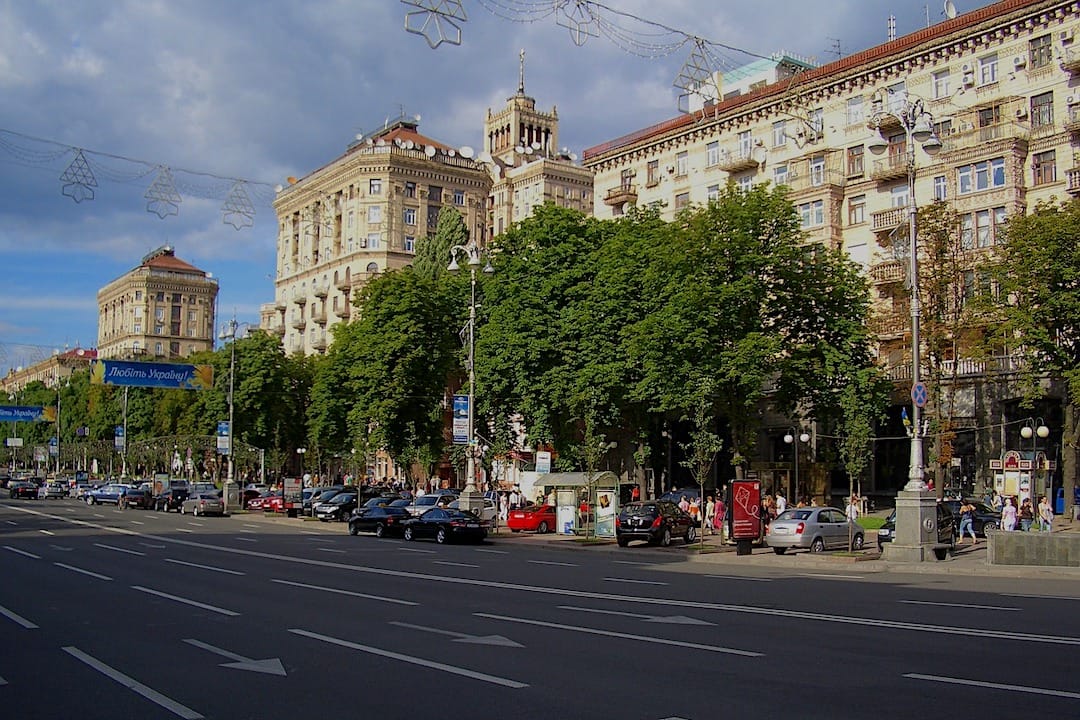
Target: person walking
[
  {"x": 710, "y": 511},
  {"x": 853, "y": 509},
  {"x": 718, "y": 517},
  {"x": 967, "y": 522},
  {"x": 781, "y": 504},
  {"x": 1008, "y": 515},
  {"x": 1027, "y": 515},
  {"x": 1046, "y": 514}
]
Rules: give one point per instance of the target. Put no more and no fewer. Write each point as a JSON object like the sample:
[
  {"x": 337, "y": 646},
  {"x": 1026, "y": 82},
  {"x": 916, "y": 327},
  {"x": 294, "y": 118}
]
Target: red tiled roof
[
  {"x": 894, "y": 47},
  {"x": 165, "y": 259}
]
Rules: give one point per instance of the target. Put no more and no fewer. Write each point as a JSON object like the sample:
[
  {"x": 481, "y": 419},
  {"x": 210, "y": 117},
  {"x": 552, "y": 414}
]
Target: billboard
[
  {"x": 746, "y": 509},
  {"x": 146, "y": 374},
  {"x": 461, "y": 419},
  {"x": 26, "y": 413}
]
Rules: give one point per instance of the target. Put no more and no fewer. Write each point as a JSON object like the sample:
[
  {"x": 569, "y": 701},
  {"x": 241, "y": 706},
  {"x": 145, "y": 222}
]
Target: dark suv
[
  {"x": 656, "y": 521},
  {"x": 946, "y": 527},
  {"x": 171, "y": 499}
]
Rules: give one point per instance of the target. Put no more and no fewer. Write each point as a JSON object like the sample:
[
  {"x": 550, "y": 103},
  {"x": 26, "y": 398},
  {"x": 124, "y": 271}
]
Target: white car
[
  {"x": 488, "y": 513},
  {"x": 424, "y": 503}
]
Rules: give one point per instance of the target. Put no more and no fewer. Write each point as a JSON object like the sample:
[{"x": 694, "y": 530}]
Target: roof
[
  {"x": 164, "y": 258},
  {"x": 602, "y": 478}
]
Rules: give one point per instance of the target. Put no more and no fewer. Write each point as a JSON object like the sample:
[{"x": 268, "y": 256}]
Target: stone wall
[{"x": 1059, "y": 549}]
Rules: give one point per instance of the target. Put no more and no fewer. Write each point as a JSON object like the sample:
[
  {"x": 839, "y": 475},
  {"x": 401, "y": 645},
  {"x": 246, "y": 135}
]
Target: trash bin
[{"x": 1059, "y": 502}]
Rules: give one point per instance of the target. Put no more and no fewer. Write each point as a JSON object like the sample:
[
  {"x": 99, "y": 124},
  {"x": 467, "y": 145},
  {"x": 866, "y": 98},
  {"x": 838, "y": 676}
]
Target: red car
[
  {"x": 540, "y": 518},
  {"x": 269, "y": 503}
]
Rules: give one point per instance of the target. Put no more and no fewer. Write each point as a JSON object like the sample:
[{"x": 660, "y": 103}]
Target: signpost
[{"x": 746, "y": 514}]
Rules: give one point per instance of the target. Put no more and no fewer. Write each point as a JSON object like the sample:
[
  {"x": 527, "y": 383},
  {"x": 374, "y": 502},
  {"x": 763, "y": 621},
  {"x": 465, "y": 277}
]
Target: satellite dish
[
  {"x": 409, "y": 144},
  {"x": 451, "y": 152},
  {"x": 509, "y": 160},
  {"x": 536, "y": 145},
  {"x": 519, "y": 149},
  {"x": 399, "y": 142},
  {"x": 485, "y": 157},
  {"x": 466, "y": 151},
  {"x": 380, "y": 142},
  {"x": 529, "y": 150},
  {"x": 371, "y": 141},
  {"x": 417, "y": 116},
  {"x": 278, "y": 188},
  {"x": 572, "y": 156},
  {"x": 950, "y": 9},
  {"x": 495, "y": 171},
  {"x": 430, "y": 151},
  {"x": 291, "y": 180}
]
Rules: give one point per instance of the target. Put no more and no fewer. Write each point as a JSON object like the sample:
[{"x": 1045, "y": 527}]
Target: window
[
  {"x": 459, "y": 198},
  {"x": 817, "y": 171},
  {"x": 138, "y": 312},
  {"x": 812, "y": 214},
  {"x": 191, "y": 316},
  {"x": 626, "y": 179},
  {"x": 897, "y": 97},
  {"x": 137, "y": 328},
  {"x": 779, "y": 134},
  {"x": 410, "y": 189},
  {"x": 712, "y": 193},
  {"x": 745, "y": 183},
  {"x": 989, "y": 116},
  {"x": 680, "y": 163},
  {"x": 136, "y": 347},
  {"x": 981, "y": 176},
  {"x": 941, "y": 188},
  {"x": 433, "y": 217},
  {"x": 1042, "y": 110},
  {"x": 898, "y": 196},
  {"x": 1040, "y": 51},
  {"x": 160, "y": 297},
  {"x": 158, "y": 350},
  {"x": 682, "y": 200},
  {"x": 746, "y": 143},
  {"x": 856, "y": 113},
  {"x": 855, "y": 158},
  {"x": 780, "y": 174},
  {"x": 138, "y": 294},
  {"x": 373, "y": 241},
  {"x": 940, "y": 81},
  {"x": 817, "y": 120},
  {"x": 1044, "y": 168},
  {"x": 352, "y": 219},
  {"x": 375, "y": 186},
  {"x": 410, "y": 243},
  {"x": 980, "y": 229},
  {"x": 435, "y": 194},
  {"x": 712, "y": 154},
  {"x": 374, "y": 213},
  {"x": 410, "y": 216},
  {"x": 856, "y": 214},
  {"x": 159, "y": 314},
  {"x": 988, "y": 65},
  {"x": 191, "y": 332},
  {"x": 652, "y": 171}
]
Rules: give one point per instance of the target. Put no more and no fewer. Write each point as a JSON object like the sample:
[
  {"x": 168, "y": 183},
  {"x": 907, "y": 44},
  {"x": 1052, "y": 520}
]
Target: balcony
[
  {"x": 1070, "y": 60},
  {"x": 893, "y": 167},
  {"x": 1072, "y": 178},
  {"x": 733, "y": 161},
  {"x": 817, "y": 180},
  {"x": 280, "y": 304},
  {"x": 1072, "y": 119},
  {"x": 888, "y": 220},
  {"x": 319, "y": 342},
  {"x": 887, "y": 272},
  {"x": 278, "y": 329},
  {"x": 624, "y": 193},
  {"x": 298, "y": 322},
  {"x": 890, "y": 325},
  {"x": 321, "y": 290},
  {"x": 344, "y": 312},
  {"x": 989, "y": 140},
  {"x": 318, "y": 316},
  {"x": 300, "y": 300},
  {"x": 344, "y": 285},
  {"x": 964, "y": 367}
]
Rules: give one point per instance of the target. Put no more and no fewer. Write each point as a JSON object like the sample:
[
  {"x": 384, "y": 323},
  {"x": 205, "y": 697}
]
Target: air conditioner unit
[
  {"x": 1019, "y": 61},
  {"x": 965, "y": 126},
  {"x": 1065, "y": 36},
  {"x": 966, "y": 69},
  {"x": 1021, "y": 113},
  {"x": 969, "y": 79}
]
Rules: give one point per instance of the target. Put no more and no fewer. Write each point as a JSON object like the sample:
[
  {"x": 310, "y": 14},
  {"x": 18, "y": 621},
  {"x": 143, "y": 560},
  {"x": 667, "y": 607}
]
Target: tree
[
  {"x": 1037, "y": 306},
  {"x": 704, "y": 445},
  {"x": 433, "y": 251}
]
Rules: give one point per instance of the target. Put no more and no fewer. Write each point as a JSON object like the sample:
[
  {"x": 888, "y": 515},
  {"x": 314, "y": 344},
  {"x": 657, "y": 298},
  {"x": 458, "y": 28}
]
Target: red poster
[{"x": 746, "y": 509}]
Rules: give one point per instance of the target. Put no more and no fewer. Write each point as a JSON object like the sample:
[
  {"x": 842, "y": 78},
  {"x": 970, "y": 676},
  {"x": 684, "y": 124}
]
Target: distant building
[
  {"x": 163, "y": 308},
  {"x": 51, "y": 371}
]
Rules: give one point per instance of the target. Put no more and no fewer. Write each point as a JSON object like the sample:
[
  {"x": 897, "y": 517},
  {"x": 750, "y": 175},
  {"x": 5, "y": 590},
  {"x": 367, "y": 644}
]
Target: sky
[{"x": 220, "y": 92}]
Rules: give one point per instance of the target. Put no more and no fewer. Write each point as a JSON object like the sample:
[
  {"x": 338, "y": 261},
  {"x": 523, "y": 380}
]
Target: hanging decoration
[
  {"x": 79, "y": 179},
  {"x": 162, "y": 198},
  {"x": 577, "y": 17},
  {"x": 238, "y": 210},
  {"x": 697, "y": 77},
  {"x": 433, "y": 19}
]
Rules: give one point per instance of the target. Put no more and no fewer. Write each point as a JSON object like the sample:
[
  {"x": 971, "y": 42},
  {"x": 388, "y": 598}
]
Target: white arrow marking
[
  {"x": 665, "y": 619},
  {"x": 462, "y": 637},
  {"x": 270, "y": 666}
]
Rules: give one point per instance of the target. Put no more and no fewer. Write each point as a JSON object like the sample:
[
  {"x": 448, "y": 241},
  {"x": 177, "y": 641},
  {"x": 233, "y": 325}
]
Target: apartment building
[
  {"x": 360, "y": 215},
  {"x": 163, "y": 308},
  {"x": 50, "y": 371},
  {"x": 1003, "y": 86}
]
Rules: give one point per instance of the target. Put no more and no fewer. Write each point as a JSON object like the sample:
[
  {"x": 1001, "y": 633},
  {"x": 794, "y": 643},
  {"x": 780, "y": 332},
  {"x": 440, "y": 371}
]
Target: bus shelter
[{"x": 583, "y": 498}]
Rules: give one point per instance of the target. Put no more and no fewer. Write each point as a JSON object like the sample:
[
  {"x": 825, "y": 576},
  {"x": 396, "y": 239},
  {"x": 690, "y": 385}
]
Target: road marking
[
  {"x": 22, "y": 552},
  {"x": 132, "y": 684},
  {"x": 453, "y": 564},
  {"x": 156, "y": 546},
  {"x": 826, "y": 576},
  {"x": 203, "y": 567},
  {"x": 137, "y": 522},
  {"x": 663, "y": 619},
  {"x": 17, "y": 619},
  {"x": 119, "y": 549},
  {"x": 11, "y": 522},
  {"x": 84, "y": 572},
  {"x": 1042, "y": 597},
  {"x": 736, "y": 577},
  {"x": 635, "y": 582},
  {"x": 196, "y": 524},
  {"x": 959, "y": 605},
  {"x": 184, "y": 530},
  {"x": 553, "y": 562},
  {"x": 46, "y": 532},
  {"x": 629, "y": 562},
  {"x": 246, "y": 539},
  {"x": 3, "y": 681},
  {"x": 350, "y": 593},
  {"x": 186, "y": 601},
  {"x": 252, "y": 525},
  {"x": 995, "y": 686},
  {"x": 99, "y": 515},
  {"x": 270, "y": 666},
  {"x": 419, "y": 550},
  {"x": 249, "y": 532},
  {"x": 493, "y": 552},
  {"x": 498, "y": 640},
  {"x": 624, "y": 636},
  {"x": 61, "y": 548},
  {"x": 333, "y": 550},
  {"x": 505, "y": 682},
  {"x": 315, "y": 538}
]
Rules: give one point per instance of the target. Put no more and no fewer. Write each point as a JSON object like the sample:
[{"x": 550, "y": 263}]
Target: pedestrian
[
  {"x": 695, "y": 509},
  {"x": 1027, "y": 515},
  {"x": 1008, "y": 515},
  {"x": 1046, "y": 514},
  {"x": 635, "y": 494},
  {"x": 504, "y": 507},
  {"x": 718, "y": 517},
  {"x": 967, "y": 521},
  {"x": 996, "y": 502},
  {"x": 781, "y": 504},
  {"x": 853, "y": 509},
  {"x": 684, "y": 504},
  {"x": 710, "y": 511}
]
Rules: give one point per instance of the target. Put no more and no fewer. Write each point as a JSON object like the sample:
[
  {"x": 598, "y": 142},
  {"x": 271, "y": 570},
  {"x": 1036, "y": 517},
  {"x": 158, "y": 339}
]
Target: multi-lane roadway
[{"x": 132, "y": 614}]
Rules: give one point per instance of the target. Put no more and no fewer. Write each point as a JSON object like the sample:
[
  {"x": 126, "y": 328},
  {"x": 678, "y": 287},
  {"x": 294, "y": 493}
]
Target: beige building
[
  {"x": 358, "y": 216},
  {"x": 1002, "y": 85},
  {"x": 50, "y": 372},
  {"x": 164, "y": 308},
  {"x": 528, "y": 168}
]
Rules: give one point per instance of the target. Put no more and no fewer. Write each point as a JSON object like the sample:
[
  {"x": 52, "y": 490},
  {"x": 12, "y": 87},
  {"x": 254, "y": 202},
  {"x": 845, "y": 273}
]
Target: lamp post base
[
  {"x": 230, "y": 494},
  {"x": 471, "y": 500},
  {"x": 916, "y": 529}
]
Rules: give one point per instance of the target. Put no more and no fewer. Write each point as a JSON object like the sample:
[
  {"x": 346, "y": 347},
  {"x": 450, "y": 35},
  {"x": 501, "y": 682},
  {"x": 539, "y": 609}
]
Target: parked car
[
  {"x": 440, "y": 498},
  {"x": 540, "y": 518},
  {"x": 445, "y": 525},
  {"x": 138, "y": 498},
  {"x": 986, "y": 517},
  {"x": 22, "y": 489},
  {"x": 55, "y": 491},
  {"x": 381, "y": 520},
  {"x": 946, "y": 528},
  {"x": 204, "y": 503},
  {"x": 319, "y": 495},
  {"x": 79, "y": 491},
  {"x": 655, "y": 521},
  {"x": 338, "y": 508},
  {"x": 107, "y": 494},
  {"x": 171, "y": 499},
  {"x": 248, "y": 495},
  {"x": 814, "y": 528},
  {"x": 487, "y": 513}
]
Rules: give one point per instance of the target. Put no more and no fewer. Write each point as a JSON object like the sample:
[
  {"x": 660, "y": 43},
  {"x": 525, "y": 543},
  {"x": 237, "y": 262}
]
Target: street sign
[
  {"x": 919, "y": 394},
  {"x": 224, "y": 437}
]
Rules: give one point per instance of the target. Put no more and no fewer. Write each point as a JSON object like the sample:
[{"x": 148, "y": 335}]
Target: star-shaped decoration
[
  {"x": 79, "y": 179},
  {"x": 162, "y": 197},
  {"x": 577, "y": 16},
  {"x": 435, "y": 21},
  {"x": 238, "y": 209}
]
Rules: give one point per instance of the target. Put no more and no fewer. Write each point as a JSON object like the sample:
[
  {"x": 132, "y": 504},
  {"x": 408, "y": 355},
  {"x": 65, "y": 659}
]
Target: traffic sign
[{"x": 919, "y": 394}]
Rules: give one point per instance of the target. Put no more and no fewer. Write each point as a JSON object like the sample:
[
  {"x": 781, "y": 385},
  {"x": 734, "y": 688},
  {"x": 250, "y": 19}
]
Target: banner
[
  {"x": 26, "y": 413},
  {"x": 224, "y": 437},
  {"x": 461, "y": 419},
  {"x": 119, "y": 440},
  {"x": 145, "y": 374},
  {"x": 543, "y": 461},
  {"x": 746, "y": 509}
]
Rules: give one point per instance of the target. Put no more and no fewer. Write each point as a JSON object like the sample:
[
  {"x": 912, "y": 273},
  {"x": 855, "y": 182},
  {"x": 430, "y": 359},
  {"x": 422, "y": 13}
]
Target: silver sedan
[
  {"x": 203, "y": 504},
  {"x": 814, "y": 528}
]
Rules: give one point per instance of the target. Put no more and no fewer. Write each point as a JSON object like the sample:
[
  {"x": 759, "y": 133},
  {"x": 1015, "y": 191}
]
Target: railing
[
  {"x": 737, "y": 159},
  {"x": 815, "y": 179},
  {"x": 894, "y": 323},
  {"x": 1072, "y": 118},
  {"x": 1070, "y": 60},
  {"x": 321, "y": 289},
  {"x": 977, "y": 136},
  {"x": 344, "y": 312},
  {"x": 319, "y": 316},
  {"x": 965, "y": 367},
  {"x": 626, "y": 192},
  {"x": 887, "y": 219},
  {"x": 887, "y": 272},
  {"x": 891, "y": 167},
  {"x": 298, "y": 322}
]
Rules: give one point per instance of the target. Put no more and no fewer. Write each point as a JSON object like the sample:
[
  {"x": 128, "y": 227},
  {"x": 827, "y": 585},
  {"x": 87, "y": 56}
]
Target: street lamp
[
  {"x": 301, "y": 451},
  {"x": 790, "y": 440},
  {"x": 471, "y": 499},
  {"x": 1035, "y": 427},
  {"x": 918, "y": 126},
  {"x": 228, "y": 333}
]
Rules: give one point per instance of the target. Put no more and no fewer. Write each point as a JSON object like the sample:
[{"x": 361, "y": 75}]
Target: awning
[{"x": 602, "y": 479}]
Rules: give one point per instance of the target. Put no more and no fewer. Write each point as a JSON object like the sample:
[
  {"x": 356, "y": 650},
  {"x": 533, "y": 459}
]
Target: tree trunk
[{"x": 1069, "y": 441}]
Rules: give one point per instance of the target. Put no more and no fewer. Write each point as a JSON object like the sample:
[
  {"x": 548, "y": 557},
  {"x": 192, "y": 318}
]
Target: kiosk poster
[{"x": 746, "y": 509}]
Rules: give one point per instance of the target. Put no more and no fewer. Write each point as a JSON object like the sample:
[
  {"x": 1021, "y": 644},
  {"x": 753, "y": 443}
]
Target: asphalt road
[{"x": 133, "y": 614}]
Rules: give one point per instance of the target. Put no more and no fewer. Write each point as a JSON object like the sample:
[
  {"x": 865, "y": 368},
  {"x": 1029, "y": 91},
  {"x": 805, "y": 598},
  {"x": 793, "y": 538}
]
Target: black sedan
[
  {"x": 379, "y": 519},
  {"x": 137, "y": 498},
  {"x": 446, "y": 525},
  {"x": 986, "y": 517},
  {"x": 655, "y": 521},
  {"x": 337, "y": 508},
  {"x": 23, "y": 489},
  {"x": 171, "y": 500}
]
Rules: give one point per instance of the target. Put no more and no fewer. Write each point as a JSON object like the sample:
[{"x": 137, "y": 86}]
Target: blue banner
[
  {"x": 22, "y": 413},
  {"x": 145, "y": 374},
  {"x": 461, "y": 419},
  {"x": 224, "y": 438}
]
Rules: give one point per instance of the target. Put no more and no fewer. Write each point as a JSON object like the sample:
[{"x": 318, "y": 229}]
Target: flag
[{"x": 904, "y": 417}]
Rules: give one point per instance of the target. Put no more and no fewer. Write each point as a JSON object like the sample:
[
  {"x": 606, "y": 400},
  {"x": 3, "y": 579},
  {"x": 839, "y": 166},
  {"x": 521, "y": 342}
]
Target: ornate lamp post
[
  {"x": 916, "y": 518},
  {"x": 230, "y": 493},
  {"x": 790, "y": 439},
  {"x": 1035, "y": 427},
  {"x": 471, "y": 499}
]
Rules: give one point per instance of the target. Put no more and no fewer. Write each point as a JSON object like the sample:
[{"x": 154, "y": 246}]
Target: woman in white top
[{"x": 1008, "y": 515}]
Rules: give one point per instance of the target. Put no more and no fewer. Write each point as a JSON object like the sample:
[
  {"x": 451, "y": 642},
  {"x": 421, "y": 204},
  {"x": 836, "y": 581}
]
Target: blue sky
[{"x": 263, "y": 90}]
